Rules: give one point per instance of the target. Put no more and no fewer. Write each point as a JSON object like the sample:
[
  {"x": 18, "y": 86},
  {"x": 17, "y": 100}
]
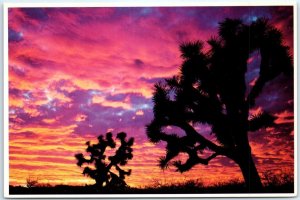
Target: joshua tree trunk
[
  {"x": 250, "y": 174},
  {"x": 245, "y": 161},
  {"x": 243, "y": 155}
]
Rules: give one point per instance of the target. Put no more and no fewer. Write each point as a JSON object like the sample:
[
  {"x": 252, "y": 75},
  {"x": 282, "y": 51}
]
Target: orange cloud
[
  {"x": 139, "y": 113},
  {"x": 284, "y": 117}
]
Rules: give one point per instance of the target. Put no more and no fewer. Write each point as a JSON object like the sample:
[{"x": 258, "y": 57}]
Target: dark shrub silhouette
[
  {"x": 211, "y": 89},
  {"x": 32, "y": 182},
  {"x": 102, "y": 172}
]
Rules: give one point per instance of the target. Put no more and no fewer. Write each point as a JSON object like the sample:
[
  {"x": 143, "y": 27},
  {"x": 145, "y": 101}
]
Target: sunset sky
[{"x": 75, "y": 73}]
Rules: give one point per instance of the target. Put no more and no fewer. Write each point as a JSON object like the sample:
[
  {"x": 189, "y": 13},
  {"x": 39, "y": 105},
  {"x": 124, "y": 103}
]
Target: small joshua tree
[
  {"x": 32, "y": 182},
  {"x": 101, "y": 172}
]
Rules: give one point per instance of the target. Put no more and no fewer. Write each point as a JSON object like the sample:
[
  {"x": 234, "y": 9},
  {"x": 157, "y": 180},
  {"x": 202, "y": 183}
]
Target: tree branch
[
  {"x": 255, "y": 91},
  {"x": 192, "y": 132},
  {"x": 193, "y": 160}
]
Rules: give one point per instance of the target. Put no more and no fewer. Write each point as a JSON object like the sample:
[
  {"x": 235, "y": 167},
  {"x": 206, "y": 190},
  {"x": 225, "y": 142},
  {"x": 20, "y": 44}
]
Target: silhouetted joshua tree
[
  {"x": 211, "y": 89},
  {"x": 102, "y": 171}
]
